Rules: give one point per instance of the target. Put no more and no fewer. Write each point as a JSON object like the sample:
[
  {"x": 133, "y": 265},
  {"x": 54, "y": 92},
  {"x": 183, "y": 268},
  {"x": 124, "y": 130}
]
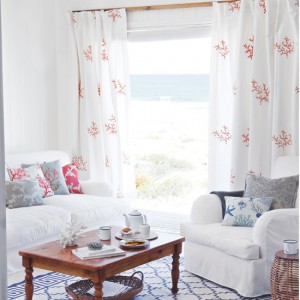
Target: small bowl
[{"x": 127, "y": 232}]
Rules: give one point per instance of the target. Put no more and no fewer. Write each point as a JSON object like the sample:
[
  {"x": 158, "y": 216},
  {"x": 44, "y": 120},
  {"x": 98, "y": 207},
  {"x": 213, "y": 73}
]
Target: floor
[{"x": 159, "y": 222}]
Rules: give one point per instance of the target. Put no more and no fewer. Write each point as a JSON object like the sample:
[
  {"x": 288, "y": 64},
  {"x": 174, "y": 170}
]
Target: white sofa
[
  {"x": 238, "y": 257},
  {"x": 29, "y": 226}
]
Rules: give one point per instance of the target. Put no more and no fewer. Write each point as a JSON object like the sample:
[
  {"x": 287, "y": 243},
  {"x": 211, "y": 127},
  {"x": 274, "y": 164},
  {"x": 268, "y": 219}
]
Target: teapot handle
[{"x": 145, "y": 219}]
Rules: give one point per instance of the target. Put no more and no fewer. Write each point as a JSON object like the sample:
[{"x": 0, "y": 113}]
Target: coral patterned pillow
[
  {"x": 71, "y": 176},
  {"x": 54, "y": 175},
  {"x": 32, "y": 172}
]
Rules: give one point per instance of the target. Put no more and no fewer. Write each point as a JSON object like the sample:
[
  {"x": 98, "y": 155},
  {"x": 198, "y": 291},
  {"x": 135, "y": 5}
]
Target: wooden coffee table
[{"x": 51, "y": 256}]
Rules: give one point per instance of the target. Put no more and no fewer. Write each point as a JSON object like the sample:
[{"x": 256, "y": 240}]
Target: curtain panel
[
  {"x": 254, "y": 89},
  {"x": 101, "y": 147}
]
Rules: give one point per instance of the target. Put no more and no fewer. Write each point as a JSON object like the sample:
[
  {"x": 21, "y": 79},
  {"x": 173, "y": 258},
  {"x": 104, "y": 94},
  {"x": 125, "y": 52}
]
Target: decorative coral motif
[
  {"x": 80, "y": 90},
  {"x": 246, "y": 138},
  {"x": 98, "y": 89},
  {"x": 234, "y": 6},
  {"x": 262, "y": 4},
  {"x": 262, "y": 92},
  {"x": 126, "y": 159},
  {"x": 286, "y": 47},
  {"x": 249, "y": 48},
  {"x": 297, "y": 89},
  {"x": 80, "y": 163},
  {"x": 44, "y": 185},
  {"x": 119, "y": 87},
  {"x": 111, "y": 126},
  {"x": 282, "y": 140},
  {"x": 107, "y": 165},
  {"x": 88, "y": 53},
  {"x": 251, "y": 172},
  {"x": 17, "y": 174},
  {"x": 104, "y": 55},
  {"x": 114, "y": 14},
  {"x": 223, "y": 135},
  {"x": 52, "y": 175},
  {"x": 234, "y": 88},
  {"x": 222, "y": 48},
  {"x": 297, "y": 3},
  {"x": 93, "y": 130}
]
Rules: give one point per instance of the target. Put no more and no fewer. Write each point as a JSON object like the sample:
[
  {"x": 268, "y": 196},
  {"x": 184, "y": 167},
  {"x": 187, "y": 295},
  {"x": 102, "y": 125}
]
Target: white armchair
[{"x": 238, "y": 257}]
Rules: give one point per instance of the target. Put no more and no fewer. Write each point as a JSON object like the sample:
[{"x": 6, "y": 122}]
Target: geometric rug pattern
[{"x": 157, "y": 284}]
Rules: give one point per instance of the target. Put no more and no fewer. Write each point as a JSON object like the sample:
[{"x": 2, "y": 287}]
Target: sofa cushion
[
  {"x": 245, "y": 211},
  {"x": 91, "y": 209},
  {"x": 282, "y": 190},
  {"x": 31, "y": 172},
  {"x": 71, "y": 177},
  {"x": 23, "y": 193},
  {"x": 27, "y": 225},
  {"x": 236, "y": 241},
  {"x": 54, "y": 175}
]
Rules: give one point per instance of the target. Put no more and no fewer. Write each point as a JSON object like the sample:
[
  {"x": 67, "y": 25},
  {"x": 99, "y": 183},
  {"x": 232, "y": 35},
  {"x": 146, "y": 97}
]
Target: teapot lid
[{"x": 135, "y": 212}]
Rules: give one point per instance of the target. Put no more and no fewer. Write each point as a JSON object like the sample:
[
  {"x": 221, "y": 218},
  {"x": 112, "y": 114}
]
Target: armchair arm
[
  {"x": 272, "y": 228},
  {"x": 97, "y": 188},
  {"x": 207, "y": 209}
]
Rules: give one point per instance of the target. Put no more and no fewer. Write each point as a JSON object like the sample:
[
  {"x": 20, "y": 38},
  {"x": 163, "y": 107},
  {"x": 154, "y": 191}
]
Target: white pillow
[{"x": 245, "y": 211}]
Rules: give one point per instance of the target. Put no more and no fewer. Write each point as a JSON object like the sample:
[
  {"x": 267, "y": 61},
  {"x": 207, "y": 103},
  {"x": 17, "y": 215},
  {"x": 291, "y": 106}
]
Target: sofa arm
[
  {"x": 272, "y": 228},
  {"x": 96, "y": 188},
  {"x": 207, "y": 209}
]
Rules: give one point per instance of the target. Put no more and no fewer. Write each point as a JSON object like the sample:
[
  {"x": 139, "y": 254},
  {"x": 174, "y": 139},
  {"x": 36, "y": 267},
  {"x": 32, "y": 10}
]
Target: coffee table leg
[
  {"x": 175, "y": 268},
  {"x": 28, "y": 283},
  {"x": 98, "y": 291}
]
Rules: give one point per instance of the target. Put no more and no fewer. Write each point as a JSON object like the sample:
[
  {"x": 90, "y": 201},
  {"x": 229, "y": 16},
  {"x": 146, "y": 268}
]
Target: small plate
[{"x": 134, "y": 243}]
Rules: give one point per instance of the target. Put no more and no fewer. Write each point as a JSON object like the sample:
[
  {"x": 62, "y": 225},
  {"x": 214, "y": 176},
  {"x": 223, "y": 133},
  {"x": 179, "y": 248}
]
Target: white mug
[
  {"x": 145, "y": 230},
  {"x": 290, "y": 246},
  {"x": 104, "y": 233}
]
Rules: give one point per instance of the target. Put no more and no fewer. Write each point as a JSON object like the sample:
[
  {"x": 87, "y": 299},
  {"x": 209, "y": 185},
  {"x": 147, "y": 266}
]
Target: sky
[{"x": 186, "y": 56}]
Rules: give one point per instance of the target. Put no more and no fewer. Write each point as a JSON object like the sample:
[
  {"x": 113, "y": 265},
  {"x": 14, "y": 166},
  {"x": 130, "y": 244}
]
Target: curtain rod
[{"x": 164, "y": 6}]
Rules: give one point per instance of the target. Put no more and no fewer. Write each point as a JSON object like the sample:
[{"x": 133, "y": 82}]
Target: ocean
[{"x": 179, "y": 87}]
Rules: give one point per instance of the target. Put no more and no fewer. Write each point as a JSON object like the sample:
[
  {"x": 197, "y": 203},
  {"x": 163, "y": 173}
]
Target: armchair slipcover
[{"x": 238, "y": 257}]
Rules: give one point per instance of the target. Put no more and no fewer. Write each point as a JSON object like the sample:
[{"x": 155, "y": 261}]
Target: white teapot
[{"x": 134, "y": 219}]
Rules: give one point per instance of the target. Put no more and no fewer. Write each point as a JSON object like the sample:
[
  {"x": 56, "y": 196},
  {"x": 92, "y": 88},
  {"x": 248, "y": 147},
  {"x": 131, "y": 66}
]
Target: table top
[
  {"x": 282, "y": 255},
  {"x": 54, "y": 253}
]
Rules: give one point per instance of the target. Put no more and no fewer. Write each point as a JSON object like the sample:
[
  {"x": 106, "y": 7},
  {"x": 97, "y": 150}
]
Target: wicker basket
[
  {"x": 285, "y": 277},
  {"x": 78, "y": 290}
]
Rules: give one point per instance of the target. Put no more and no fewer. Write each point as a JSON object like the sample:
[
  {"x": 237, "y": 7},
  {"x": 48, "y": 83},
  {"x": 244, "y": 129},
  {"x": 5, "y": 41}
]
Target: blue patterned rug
[{"x": 157, "y": 284}]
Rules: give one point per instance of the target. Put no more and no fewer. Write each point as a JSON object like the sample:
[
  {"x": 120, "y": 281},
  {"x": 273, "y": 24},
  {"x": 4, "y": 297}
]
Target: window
[{"x": 169, "y": 82}]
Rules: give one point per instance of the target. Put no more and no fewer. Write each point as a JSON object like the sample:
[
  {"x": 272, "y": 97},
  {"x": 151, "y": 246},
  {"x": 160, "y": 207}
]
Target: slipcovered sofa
[
  {"x": 239, "y": 257},
  {"x": 29, "y": 226}
]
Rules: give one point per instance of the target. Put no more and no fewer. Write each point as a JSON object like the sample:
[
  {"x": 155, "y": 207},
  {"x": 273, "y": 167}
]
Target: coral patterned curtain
[
  {"x": 254, "y": 116},
  {"x": 102, "y": 148}
]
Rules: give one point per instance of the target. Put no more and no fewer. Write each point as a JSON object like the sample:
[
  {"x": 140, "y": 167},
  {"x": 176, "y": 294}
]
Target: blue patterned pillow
[{"x": 245, "y": 211}]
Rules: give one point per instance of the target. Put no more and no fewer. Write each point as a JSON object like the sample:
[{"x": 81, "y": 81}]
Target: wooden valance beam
[{"x": 163, "y": 6}]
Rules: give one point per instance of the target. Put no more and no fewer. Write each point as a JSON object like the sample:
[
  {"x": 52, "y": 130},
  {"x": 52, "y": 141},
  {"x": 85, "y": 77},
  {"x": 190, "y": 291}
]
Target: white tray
[{"x": 153, "y": 235}]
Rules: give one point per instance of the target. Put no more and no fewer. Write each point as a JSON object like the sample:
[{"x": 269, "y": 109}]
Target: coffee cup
[
  {"x": 144, "y": 230},
  {"x": 104, "y": 233},
  {"x": 290, "y": 246}
]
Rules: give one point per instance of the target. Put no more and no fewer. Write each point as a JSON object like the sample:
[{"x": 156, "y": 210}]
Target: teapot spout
[{"x": 126, "y": 220}]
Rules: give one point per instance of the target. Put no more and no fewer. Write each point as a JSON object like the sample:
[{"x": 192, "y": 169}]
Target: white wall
[{"x": 29, "y": 67}]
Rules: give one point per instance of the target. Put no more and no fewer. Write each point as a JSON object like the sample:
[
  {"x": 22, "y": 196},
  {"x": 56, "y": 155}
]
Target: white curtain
[
  {"x": 254, "y": 115},
  {"x": 102, "y": 142}
]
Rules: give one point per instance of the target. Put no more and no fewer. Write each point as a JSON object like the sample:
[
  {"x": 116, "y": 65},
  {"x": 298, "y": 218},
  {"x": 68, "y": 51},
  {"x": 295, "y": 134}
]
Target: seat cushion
[
  {"x": 27, "y": 225},
  {"x": 236, "y": 241},
  {"x": 90, "y": 209}
]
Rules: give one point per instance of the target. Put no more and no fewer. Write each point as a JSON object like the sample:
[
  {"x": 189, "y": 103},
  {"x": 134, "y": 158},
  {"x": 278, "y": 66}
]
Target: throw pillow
[
  {"x": 71, "y": 177},
  {"x": 282, "y": 190},
  {"x": 245, "y": 211},
  {"x": 22, "y": 193},
  {"x": 54, "y": 175},
  {"x": 31, "y": 172}
]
